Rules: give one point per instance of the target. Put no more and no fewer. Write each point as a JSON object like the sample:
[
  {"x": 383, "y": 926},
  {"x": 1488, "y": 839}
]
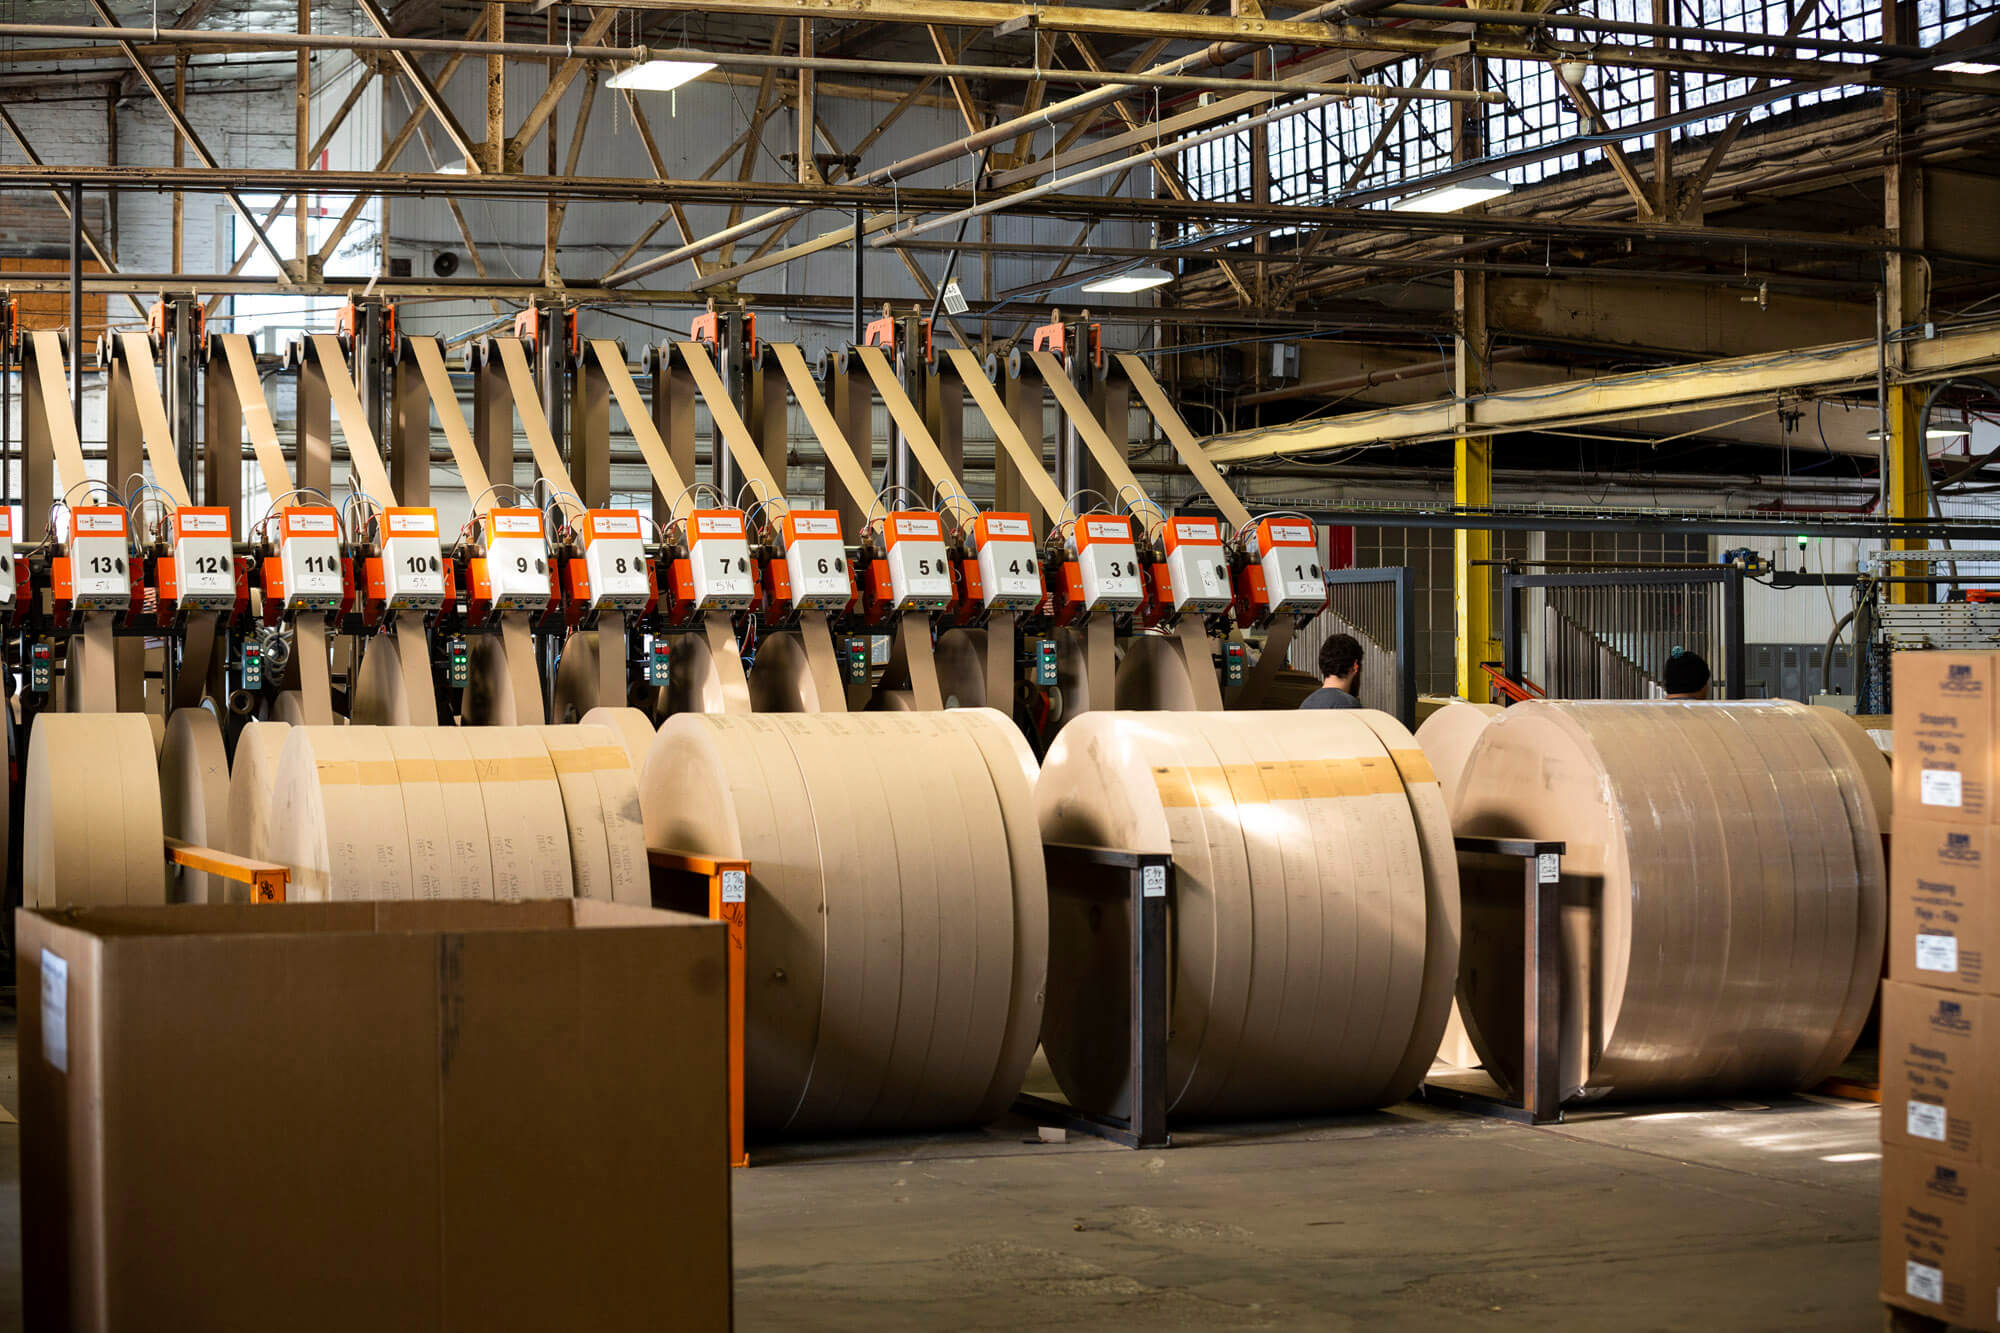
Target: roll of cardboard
[
  {"x": 469, "y": 871},
  {"x": 1153, "y": 676},
  {"x": 1312, "y": 914},
  {"x": 504, "y": 684},
  {"x": 601, "y": 803},
  {"x": 1722, "y": 895},
  {"x": 253, "y": 775},
  {"x": 91, "y": 829},
  {"x": 632, "y": 729},
  {"x": 960, "y": 657},
  {"x": 527, "y": 831},
  {"x": 337, "y": 816},
  {"x": 896, "y": 895},
  {"x": 392, "y": 687},
  {"x": 194, "y": 794},
  {"x": 1869, "y": 761},
  {"x": 1447, "y": 737}
]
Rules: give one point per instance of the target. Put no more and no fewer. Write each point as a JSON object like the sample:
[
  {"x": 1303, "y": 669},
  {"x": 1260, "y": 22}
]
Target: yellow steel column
[
  {"x": 1472, "y": 578},
  {"x": 1472, "y": 455},
  {"x": 1908, "y": 457}
]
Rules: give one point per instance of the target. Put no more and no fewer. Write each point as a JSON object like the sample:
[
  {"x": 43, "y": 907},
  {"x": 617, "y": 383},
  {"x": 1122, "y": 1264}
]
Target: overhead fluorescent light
[
  {"x": 1945, "y": 434},
  {"x": 1969, "y": 67},
  {"x": 1451, "y": 198},
  {"x": 660, "y": 76},
  {"x": 1132, "y": 280}
]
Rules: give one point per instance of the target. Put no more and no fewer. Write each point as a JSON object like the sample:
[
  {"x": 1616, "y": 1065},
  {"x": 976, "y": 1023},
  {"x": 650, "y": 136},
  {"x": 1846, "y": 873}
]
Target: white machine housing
[
  {"x": 1288, "y": 550},
  {"x": 204, "y": 559},
  {"x": 1010, "y": 573},
  {"x": 100, "y": 558},
  {"x": 816, "y": 560},
  {"x": 1107, "y": 560},
  {"x": 1197, "y": 565},
  {"x": 614, "y": 560},
  {"x": 719, "y": 564},
  {"x": 412, "y": 560},
  {"x": 517, "y": 559},
  {"x": 309, "y": 559},
  {"x": 919, "y": 564}
]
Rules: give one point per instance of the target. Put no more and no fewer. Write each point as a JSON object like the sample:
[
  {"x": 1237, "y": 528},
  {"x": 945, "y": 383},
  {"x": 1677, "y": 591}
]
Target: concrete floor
[{"x": 1698, "y": 1217}]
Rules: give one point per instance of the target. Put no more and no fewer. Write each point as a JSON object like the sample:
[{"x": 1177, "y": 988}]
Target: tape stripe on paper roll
[
  {"x": 337, "y": 816},
  {"x": 194, "y": 796},
  {"x": 527, "y": 831},
  {"x": 91, "y": 827},
  {"x": 1733, "y": 927},
  {"x": 632, "y": 729},
  {"x": 887, "y": 984},
  {"x": 1312, "y": 931},
  {"x": 601, "y": 803},
  {"x": 469, "y": 872}
]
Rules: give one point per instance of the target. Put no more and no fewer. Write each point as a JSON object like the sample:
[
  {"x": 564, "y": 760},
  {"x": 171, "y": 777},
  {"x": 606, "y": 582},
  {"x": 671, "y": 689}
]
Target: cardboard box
[
  {"x": 1941, "y": 1072},
  {"x": 1944, "y": 735},
  {"x": 1941, "y": 1238},
  {"x": 402, "y": 1115},
  {"x": 1944, "y": 906}
]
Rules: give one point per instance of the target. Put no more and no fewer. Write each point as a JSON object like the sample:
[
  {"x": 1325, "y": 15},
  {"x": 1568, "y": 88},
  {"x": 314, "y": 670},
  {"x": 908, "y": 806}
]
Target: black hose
[
  {"x": 1932, "y": 506},
  {"x": 1826, "y": 657}
]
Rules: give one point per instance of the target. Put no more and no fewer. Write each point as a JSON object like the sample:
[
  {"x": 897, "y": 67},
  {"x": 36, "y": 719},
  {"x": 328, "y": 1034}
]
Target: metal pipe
[
  {"x": 1885, "y": 444},
  {"x": 752, "y": 60},
  {"x": 1630, "y": 27},
  {"x": 859, "y": 318},
  {"x": 76, "y": 307}
]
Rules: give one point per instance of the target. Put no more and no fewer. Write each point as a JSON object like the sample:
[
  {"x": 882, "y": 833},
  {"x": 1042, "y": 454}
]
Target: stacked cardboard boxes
[{"x": 1941, "y": 1004}]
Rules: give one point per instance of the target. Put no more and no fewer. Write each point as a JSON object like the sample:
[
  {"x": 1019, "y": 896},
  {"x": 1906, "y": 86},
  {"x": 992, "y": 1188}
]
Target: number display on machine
[
  {"x": 614, "y": 559},
  {"x": 204, "y": 560},
  {"x": 1107, "y": 559},
  {"x": 100, "y": 559},
  {"x": 412, "y": 560},
  {"x": 919, "y": 564},
  {"x": 517, "y": 559},
  {"x": 1010, "y": 571},
  {"x": 816, "y": 560},
  {"x": 719, "y": 564},
  {"x": 309, "y": 558}
]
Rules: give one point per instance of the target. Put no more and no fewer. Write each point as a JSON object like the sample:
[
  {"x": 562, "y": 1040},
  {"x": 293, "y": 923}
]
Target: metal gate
[
  {"x": 1379, "y": 608},
  {"x": 1608, "y": 634}
]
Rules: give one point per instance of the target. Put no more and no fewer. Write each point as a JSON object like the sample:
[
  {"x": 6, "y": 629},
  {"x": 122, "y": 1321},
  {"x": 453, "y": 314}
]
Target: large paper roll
[
  {"x": 601, "y": 803},
  {"x": 1447, "y": 737},
  {"x": 91, "y": 828},
  {"x": 1723, "y": 893},
  {"x": 896, "y": 901},
  {"x": 194, "y": 795},
  {"x": 1314, "y": 932},
  {"x": 253, "y": 775},
  {"x": 89, "y": 793}
]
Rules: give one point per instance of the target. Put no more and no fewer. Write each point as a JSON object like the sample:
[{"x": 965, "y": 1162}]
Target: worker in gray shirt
[{"x": 1340, "y": 672}]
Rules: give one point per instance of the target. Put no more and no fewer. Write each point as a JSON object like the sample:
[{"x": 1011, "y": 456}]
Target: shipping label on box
[
  {"x": 1942, "y": 911},
  {"x": 1940, "y": 1067},
  {"x": 1941, "y": 1238},
  {"x": 1944, "y": 735}
]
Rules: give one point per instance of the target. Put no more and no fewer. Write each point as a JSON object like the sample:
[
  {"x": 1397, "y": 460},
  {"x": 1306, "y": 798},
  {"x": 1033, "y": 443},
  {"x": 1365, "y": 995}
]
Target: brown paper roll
[
  {"x": 1153, "y": 676},
  {"x": 601, "y": 802},
  {"x": 469, "y": 871},
  {"x": 337, "y": 816},
  {"x": 632, "y": 728},
  {"x": 1447, "y": 737},
  {"x": 504, "y": 687},
  {"x": 1312, "y": 950},
  {"x": 1723, "y": 893},
  {"x": 890, "y": 894},
  {"x": 1870, "y": 764},
  {"x": 252, "y": 777},
  {"x": 527, "y": 831},
  {"x": 960, "y": 658},
  {"x": 91, "y": 828},
  {"x": 194, "y": 792}
]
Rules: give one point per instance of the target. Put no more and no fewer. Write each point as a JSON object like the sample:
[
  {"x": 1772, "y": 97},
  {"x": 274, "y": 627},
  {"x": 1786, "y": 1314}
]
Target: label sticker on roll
[
  {"x": 1941, "y": 787},
  {"x": 732, "y": 886},
  {"x": 1923, "y": 1282},
  {"x": 1937, "y": 953},
  {"x": 1925, "y": 1121},
  {"x": 1154, "y": 882},
  {"x": 55, "y": 1010}
]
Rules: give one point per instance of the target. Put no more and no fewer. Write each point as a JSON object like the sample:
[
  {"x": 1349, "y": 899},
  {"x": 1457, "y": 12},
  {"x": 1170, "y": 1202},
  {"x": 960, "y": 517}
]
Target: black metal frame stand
[
  {"x": 1145, "y": 880},
  {"x": 1540, "y": 1101}
]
